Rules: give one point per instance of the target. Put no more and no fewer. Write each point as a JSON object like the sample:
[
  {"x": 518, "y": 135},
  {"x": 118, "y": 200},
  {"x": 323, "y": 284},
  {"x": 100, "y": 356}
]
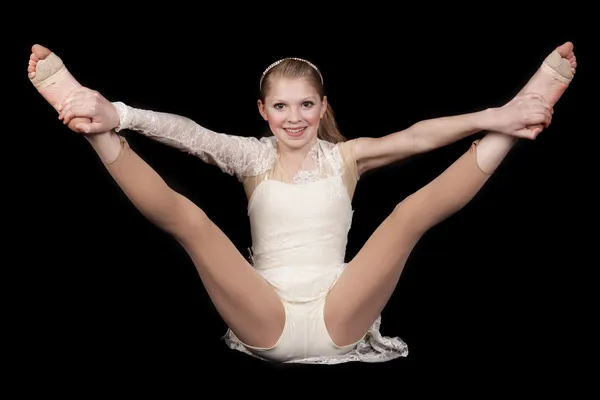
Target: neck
[
  {"x": 291, "y": 159},
  {"x": 295, "y": 154}
]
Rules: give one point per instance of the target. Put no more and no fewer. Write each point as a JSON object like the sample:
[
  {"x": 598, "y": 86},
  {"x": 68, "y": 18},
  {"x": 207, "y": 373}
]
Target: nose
[{"x": 294, "y": 116}]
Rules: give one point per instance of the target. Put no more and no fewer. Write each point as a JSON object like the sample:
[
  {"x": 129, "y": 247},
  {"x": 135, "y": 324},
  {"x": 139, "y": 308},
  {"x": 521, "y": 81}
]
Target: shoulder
[
  {"x": 257, "y": 147},
  {"x": 343, "y": 155},
  {"x": 344, "y": 161},
  {"x": 339, "y": 147},
  {"x": 268, "y": 141},
  {"x": 261, "y": 158},
  {"x": 346, "y": 150}
]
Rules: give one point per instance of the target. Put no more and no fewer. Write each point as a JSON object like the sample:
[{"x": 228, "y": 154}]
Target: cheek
[
  {"x": 275, "y": 118},
  {"x": 313, "y": 117}
]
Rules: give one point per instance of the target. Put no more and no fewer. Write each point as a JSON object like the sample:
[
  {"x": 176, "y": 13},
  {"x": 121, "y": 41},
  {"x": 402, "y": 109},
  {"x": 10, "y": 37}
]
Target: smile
[{"x": 295, "y": 132}]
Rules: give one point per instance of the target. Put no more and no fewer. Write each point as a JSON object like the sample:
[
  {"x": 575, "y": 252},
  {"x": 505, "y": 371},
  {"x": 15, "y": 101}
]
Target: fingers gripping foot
[
  {"x": 550, "y": 81},
  {"x": 50, "y": 77}
]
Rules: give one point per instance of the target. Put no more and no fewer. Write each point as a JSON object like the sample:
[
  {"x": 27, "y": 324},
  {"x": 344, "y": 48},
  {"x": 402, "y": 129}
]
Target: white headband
[{"x": 289, "y": 58}]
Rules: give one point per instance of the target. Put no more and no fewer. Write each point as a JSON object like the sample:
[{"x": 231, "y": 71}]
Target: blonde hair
[{"x": 296, "y": 68}]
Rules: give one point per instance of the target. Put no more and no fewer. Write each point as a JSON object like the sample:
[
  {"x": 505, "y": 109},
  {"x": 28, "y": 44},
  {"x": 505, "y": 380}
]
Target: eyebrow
[{"x": 279, "y": 100}]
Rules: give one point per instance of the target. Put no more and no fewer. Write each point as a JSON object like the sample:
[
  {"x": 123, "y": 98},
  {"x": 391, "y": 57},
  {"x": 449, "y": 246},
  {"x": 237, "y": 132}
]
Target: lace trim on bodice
[
  {"x": 307, "y": 176},
  {"x": 325, "y": 159}
]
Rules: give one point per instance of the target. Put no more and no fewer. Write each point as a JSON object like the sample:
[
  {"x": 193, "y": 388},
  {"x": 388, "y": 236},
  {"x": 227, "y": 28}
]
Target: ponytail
[{"x": 328, "y": 129}]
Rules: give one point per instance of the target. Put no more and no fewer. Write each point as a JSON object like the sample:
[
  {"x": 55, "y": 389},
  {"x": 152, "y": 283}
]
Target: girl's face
[{"x": 293, "y": 110}]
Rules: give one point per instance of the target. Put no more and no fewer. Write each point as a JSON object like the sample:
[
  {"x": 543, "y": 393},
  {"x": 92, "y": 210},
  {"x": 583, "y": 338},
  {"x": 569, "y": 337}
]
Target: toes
[
  {"x": 573, "y": 62},
  {"x": 565, "y": 49},
  {"x": 40, "y": 51},
  {"x": 31, "y": 67},
  {"x": 566, "y": 52}
]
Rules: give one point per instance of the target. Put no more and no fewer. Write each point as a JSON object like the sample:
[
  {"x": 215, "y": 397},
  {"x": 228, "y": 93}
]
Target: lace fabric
[
  {"x": 235, "y": 155},
  {"x": 373, "y": 348}
]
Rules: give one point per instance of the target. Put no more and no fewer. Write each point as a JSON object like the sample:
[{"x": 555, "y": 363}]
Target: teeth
[{"x": 295, "y": 130}]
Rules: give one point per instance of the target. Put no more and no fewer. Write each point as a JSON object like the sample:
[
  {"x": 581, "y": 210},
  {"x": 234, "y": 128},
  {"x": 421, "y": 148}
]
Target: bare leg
[
  {"x": 369, "y": 280},
  {"x": 247, "y": 303}
]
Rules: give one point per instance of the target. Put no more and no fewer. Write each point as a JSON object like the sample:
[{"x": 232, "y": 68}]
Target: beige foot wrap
[
  {"x": 48, "y": 71},
  {"x": 558, "y": 67}
]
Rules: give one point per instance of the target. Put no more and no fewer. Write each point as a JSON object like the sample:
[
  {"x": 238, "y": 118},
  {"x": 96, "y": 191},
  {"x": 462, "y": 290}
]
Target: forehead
[{"x": 291, "y": 89}]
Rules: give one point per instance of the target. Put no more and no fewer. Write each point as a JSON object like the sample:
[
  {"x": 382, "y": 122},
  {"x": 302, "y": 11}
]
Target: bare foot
[
  {"x": 554, "y": 75},
  {"x": 52, "y": 79}
]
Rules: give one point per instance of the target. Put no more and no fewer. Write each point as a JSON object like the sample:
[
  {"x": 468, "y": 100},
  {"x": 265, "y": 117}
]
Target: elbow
[{"x": 418, "y": 143}]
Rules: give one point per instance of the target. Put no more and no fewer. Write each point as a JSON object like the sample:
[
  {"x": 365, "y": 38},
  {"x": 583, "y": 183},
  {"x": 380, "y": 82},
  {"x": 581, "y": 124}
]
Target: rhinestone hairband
[{"x": 289, "y": 58}]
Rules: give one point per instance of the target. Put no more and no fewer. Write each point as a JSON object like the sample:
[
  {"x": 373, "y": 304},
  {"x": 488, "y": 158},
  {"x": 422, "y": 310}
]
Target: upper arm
[
  {"x": 238, "y": 156},
  {"x": 373, "y": 153},
  {"x": 350, "y": 171}
]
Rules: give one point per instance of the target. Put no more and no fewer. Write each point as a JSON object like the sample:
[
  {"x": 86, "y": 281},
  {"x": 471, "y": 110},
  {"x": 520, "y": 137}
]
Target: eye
[
  {"x": 278, "y": 106},
  {"x": 308, "y": 104}
]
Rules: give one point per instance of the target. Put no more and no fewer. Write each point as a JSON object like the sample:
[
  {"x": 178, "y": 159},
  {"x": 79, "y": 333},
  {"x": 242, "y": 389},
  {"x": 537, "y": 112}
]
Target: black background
[{"x": 497, "y": 290}]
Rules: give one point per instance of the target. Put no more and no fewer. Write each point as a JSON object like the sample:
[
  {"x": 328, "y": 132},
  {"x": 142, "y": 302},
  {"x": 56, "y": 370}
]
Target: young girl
[{"x": 299, "y": 301}]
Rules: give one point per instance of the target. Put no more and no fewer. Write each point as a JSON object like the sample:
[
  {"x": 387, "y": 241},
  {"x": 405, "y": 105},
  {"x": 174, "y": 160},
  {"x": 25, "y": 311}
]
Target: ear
[
  {"x": 261, "y": 110},
  {"x": 324, "y": 108}
]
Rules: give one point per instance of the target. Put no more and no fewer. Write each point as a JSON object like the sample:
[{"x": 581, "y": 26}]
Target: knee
[{"x": 189, "y": 221}]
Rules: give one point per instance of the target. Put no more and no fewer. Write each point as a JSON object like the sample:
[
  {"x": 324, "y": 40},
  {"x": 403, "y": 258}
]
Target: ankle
[
  {"x": 492, "y": 149},
  {"x": 107, "y": 145}
]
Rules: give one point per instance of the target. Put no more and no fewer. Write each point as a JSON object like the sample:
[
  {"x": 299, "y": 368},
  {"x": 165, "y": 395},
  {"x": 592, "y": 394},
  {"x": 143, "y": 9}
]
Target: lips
[{"x": 295, "y": 131}]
